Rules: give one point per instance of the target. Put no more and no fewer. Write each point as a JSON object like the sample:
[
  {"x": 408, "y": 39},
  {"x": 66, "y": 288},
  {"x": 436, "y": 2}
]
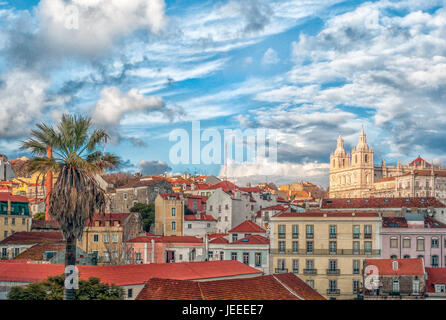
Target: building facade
[
  {"x": 14, "y": 215},
  {"x": 354, "y": 175},
  {"x": 169, "y": 214},
  {"x": 325, "y": 249}
]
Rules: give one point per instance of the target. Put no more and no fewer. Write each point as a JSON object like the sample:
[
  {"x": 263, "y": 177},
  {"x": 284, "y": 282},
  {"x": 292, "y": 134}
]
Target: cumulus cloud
[
  {"x": 153, "y": 167},
  {"x": 114, "y": 104},
  {"x": 88, "y": 27},
  {"x": 23, "y": 100},
  {"x": 270, "y": 57}
]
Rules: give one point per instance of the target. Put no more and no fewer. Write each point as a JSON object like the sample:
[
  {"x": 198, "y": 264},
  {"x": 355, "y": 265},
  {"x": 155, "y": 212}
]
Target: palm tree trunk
[{"x": 70, "y": 260}]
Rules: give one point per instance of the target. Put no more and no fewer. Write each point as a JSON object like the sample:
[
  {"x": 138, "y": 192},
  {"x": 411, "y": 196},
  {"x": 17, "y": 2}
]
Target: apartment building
[
  {"x": 325, "y": 249},
  {"x": 14, "y": 214},
  {"x": 169, "y": 214}
]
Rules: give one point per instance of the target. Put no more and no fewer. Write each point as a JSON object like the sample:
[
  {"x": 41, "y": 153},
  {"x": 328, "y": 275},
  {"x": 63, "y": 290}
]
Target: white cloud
[
  {"x": 100, "y": 22},
  {"x": 114, "y": 105},
  {"x": 270, "y": 57},
  {"x": 23, "y": 100}
]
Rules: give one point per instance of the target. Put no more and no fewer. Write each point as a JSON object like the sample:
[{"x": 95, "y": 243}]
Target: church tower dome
[
  {"x": 340, "y": 152},
  {"x": 362, "y": 143}
]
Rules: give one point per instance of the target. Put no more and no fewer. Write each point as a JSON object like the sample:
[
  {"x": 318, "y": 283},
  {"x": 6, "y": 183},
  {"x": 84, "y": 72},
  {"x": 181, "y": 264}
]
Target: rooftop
[
  {"x": 167, "y": 239},
  {"x": 36, "y": 252},
  {"x": 4, "y": 196},
  {"x": 26, "y": 237},
  {"x": 247, "y": 226},
  {"x": 270, "y": 287},
  {"x": 335, "y": 214},
  {"x": 435, "y": 276},
  {"x": 252, "y": 239},
  {"x": 129, "y": 274},
  {"x": 356, "y": 203},
  {"x": 406, "y": 267}
]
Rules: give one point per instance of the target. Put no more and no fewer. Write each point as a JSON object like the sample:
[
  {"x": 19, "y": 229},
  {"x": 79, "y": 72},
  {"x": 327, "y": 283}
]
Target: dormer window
[{"x": 395, "y": 265}]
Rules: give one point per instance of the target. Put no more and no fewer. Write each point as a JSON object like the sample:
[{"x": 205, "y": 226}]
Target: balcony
[
  {"x": 281, "y": 270},
  {"x": 326, "y": 252},
  {"x": 334, "y": 272},
  {"x": 310, "y": 271},
  {"x": 367, "y": 236},
  {"x": 310, "y": 235},
  {"x": 333, "y": 291},
  {"x": 332, "y": 235},
  {"x": 295, "y": 235},
  {"x": 282, "y": 236},
  {"x": 355, "y": 235},
  {"x": 295, "y": 270}
]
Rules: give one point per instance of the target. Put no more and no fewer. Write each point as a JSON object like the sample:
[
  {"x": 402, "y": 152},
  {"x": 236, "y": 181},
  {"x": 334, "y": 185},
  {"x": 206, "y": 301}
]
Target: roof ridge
[
  {"x": 288, "y": 288},
  {"x": 201, "y": 291}
]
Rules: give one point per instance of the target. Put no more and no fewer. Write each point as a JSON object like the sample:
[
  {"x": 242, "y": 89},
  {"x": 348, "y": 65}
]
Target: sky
[{"x": 309, "y": 69}]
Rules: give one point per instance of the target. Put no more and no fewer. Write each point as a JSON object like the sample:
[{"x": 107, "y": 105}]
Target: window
[
  {"x": 282, "y": 231},
  {"x": 356, "y": 266},
  {"x": 5, "y": 234},
  {"x": 355, "y": 247},
  {"x": 13, "y": 221},
  {"x": 23, "y": 221},
  {"x": 332, "y": 286},
  {"x": 310, "y": 229},
  {"x": 356, "y": 284},
  {"x": 396, "y": 286},
  {"x": 406, "y": 256},
  {"x": 434, "y": 261},
  {"x": 333, "y": 246},
  {"x": 233, "y": 255},
  {"x": 106, "y": 237},
  {"x": 210, "y": 255},
  {"x": 173, "y": 211},
  {"x": 246, "y": 258},
  {"x": 129, "y": 293},
  {"x": 295, "y": 231},
  {"x": 295, "y": 246},
  {"x": 394, "y": 242},
  {"x": 6, "y": 221},
  {"x": 281, "y": 264},
  {"x": 416, "y": 286},
  {"x": 4, "y": 252},
  {"x": 420, "y": 244},
  {"x": 368, "y": 247},
  {"x": 95, "y": 238},
  {"x": 234, "y": 237},
  {"x": 281, "y": 246},
  {"x": 355, "y": 232},
  {"x": 115, "y": 237},
  {"x": 226, "y": 207},
  {"x": 138, "y": 256},
  {"x": 222, "y": 255},
  {"x": 393, "y": 256},
  {"x": 440, "y": 288},
  {"x": 332, "y": 265},
  {"x": 189, "y": 225},
  {"x": 310, "y": 248},
  {"x": 406, "y": 243},
  {"x": 295, "y": 266},
  {"x": 310, "y": 283},
  {"x": 332, "y": 231},
  {"x": 16, "y": 252},
  {"x": 258, "y": 259},
  {"x": 434, "y": 243},
  {"x": 309, "y": 264},
  {"x": 125, "y": 196},
  {"x": 368, "y": 231},
  {"x": 174, "y": 225}
]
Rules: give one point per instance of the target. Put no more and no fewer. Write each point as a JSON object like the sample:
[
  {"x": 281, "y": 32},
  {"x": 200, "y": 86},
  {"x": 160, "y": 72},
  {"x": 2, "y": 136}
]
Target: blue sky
[{"x": 309, "y": 69}]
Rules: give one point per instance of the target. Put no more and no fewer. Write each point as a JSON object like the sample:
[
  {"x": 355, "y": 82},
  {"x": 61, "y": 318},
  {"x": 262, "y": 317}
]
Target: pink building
[
  {"x": 165, "y": 249},
  {"x": 414, "y": 236}
]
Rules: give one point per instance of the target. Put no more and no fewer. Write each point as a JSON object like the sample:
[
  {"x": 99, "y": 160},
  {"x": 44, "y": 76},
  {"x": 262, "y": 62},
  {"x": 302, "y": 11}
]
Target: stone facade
[
  {"x": 354, "y": 175},
  {"x": 143, "y": 191}
]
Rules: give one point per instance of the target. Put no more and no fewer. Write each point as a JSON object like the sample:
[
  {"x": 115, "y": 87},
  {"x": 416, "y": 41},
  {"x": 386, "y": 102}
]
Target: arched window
[
  {"x": 365, "y": 158},
  {"x": 393, "y": 256},
  {"x": 343, "y": 162},
  {"x": 406, "y": 256}
]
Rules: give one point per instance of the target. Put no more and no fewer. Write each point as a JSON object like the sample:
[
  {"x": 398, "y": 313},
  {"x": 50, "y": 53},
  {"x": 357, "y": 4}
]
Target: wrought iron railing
[{"x": 317, "y": 252}]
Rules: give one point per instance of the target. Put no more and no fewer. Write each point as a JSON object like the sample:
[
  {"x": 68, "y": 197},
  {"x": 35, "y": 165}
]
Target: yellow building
[
  {"x": 325, "y": 249},
  {"x": 106, "y": 234},
  {"x": 14, "y": 215},
  {"x": 169, "y": 214}
]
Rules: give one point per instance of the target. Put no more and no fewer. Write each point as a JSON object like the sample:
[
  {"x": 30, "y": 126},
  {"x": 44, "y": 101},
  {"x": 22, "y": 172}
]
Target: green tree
[
  {"x": 76, "y": 195},
  {"x": 39, "y": 216},
  {"x": 147, "y": 212},
  {"x": 53, "y": 289}
]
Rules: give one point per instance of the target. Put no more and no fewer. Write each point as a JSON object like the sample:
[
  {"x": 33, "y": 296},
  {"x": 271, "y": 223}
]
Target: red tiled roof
[
  {"x": 251, "y": 189},
  {"x": 168, "y": 196},
  {"x": 37, "y": 251},
  {"x": 168, "y": 239},
  {"x": 269, "y": 287},
  {"x": 141, "y": 183},
  {"x": 202, "y": 217},
  {"x": 43, "y": 224},
  {"x": 6, "y": 196},
  {"x": 406, "y": 267},
  {"x": 252, "y": 239},
  {"x": 110, "y": 216},
  {"x": 435, "y": 276},
  {"x": 432, "y": 223},
  {"x": 278, "y": 207},
  {"x": 219, "y": 240},
  {"x": 217, "y": 235},
  {"x": 247, "y": 226},
  {"x": 356, "y": 203},
  {"x": 225, "y": 185},
  {"x": 129, "y": 274},
  {"x": 33, "y": 237},
  {"x": 394, "y": 222},
  {"x": 419, "y": 161},
  {"x": 328, "y": 214}
]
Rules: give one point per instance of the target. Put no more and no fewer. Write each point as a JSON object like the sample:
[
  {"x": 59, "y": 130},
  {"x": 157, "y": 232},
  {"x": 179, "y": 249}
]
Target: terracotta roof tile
[
  {"x": 36, "y": 252},
  {"x": 33, "y": 237},
  {"x": 406, "y": 267},
  {"x": 435, "y": 276},
  {"x": 252, "y": 239},
  {"x": 357, "y": 203},
  {"x": 247, "y": 226},
  {"x": 4, "y": 196},
  {"x": 269, "y": 287},
  {"x": 290, "y": 214},
  {"x": 167, "y": 239},
  {"x": 219, "y": 240}
]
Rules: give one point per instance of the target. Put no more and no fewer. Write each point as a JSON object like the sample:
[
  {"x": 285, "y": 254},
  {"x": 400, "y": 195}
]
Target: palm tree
[{"x": 76, "y": 195}]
